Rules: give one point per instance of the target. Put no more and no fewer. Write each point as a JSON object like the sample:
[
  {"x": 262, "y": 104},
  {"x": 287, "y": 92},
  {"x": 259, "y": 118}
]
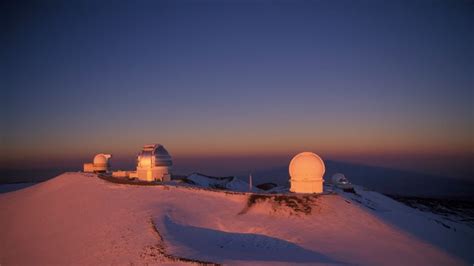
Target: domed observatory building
[
  {"x": 100, "y": 164},
  {"x": 306, "y": 173},
  {"x": 339, "y": 180},
  {"x": 154, "y": 163}
]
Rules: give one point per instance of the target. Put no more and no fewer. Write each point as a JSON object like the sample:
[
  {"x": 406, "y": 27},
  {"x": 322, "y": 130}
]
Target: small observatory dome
[
  {"x": 306, "y": 173},
  {"x": 154, "y": 163},
  {"x": 101, "y": 162},
  {"x": 339, "y": 180}
]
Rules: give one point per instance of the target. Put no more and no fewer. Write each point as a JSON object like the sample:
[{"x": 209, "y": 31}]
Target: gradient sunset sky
[{"x": 377, "y": 82}]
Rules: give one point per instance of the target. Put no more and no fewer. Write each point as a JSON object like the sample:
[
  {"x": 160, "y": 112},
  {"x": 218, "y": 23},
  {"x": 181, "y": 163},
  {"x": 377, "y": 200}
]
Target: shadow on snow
[{"x": 219, "y": 246}]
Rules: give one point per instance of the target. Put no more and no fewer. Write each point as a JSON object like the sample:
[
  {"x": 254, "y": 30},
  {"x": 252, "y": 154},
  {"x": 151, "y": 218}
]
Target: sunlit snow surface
[{"x": 80, "y": 219}]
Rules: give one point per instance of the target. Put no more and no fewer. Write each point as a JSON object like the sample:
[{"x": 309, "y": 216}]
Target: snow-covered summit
[{"x": 80, "y": 219}]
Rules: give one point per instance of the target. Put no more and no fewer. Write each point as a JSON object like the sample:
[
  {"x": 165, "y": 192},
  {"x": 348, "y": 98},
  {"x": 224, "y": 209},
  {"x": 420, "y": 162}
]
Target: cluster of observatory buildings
[{"x": 154, "y": 163}]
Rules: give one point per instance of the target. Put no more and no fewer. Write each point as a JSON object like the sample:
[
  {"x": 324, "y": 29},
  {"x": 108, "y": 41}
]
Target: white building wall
[
  {"x": 157, "y": 173},
  {"x": 88, "y": 168},
  {"x": 306, "y": 186}
]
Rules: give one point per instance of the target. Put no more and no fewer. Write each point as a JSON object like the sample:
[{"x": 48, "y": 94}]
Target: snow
[
  {"x": 81, "y": 219},
  {"x": 230, "y": 183},
  {"x": 415, "y": 222}
]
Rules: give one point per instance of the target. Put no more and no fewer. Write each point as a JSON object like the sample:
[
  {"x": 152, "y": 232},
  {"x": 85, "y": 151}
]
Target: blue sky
[{"x": 346, "y": 79}]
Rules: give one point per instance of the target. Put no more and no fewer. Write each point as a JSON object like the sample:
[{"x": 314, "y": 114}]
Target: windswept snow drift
[{"x": 80, "y": 219}]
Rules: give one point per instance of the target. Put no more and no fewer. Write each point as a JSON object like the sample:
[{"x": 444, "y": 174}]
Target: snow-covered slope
[
  {"x": 81, "y": 219},
  {"x": 227, "y": 183}
]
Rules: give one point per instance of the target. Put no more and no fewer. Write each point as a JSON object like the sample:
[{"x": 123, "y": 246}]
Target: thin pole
[{"x": 250, "y": 181}]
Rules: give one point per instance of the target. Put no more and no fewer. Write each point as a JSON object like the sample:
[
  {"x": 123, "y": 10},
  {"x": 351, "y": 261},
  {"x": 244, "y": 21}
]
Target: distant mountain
[{"x": 384, "y": 180}]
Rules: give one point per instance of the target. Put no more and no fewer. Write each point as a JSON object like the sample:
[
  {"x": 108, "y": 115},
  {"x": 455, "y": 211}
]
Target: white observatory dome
[
  {"x": 154, "y": 155},
  {"x": 306, "y": 173},
  {"x": 339, "y": 180},
  {"x": 100, "y": 159},
  {"x": 154, "y": 163},
  {"x": 101, "y": 162}
]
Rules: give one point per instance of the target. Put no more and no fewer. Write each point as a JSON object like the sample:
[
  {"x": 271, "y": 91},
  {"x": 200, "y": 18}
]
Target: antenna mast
[{"x": 250, "y": 181}]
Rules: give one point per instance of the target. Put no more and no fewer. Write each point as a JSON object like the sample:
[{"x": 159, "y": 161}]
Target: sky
[{"x": 386, "y": 83}]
